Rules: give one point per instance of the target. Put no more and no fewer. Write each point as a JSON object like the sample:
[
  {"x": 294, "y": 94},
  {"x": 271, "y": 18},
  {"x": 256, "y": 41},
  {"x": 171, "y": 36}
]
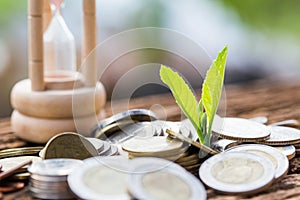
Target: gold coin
[
  {"x": 188, "y": 163},
  {"x": 69, "y": 145},
  {"x": 193, "y": 167},
  {"x": 24, "y": 151},
  {"x": 188, "y": 158},
  {"x": 20, "y": 176}
]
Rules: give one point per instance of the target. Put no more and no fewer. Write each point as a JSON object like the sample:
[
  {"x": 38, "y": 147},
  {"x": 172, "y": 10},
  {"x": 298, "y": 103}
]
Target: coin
[
  {"x": 289, "y": 151},
  {"x": 188, "y": 163},
  {"x": 98, "y": 144},
  {"x": 101, "y": 178},
  {"x": 237, "y": 172},
  {"x": 54, "y": 167},
  {"x": 223, "y": 144},
  {"x": 188, "y": 158},
  {"x": 20, "y": 176},
  {"x": 280, "y": 161},
  {"x": 69, "y": 145},
  {"x": 241, "y": 130},
  {"x": 136, "y": 115},
  {"x": 281, "y": 135},
  {"x": 289, "y": 122},
  {"x": 8, "y": 163},
  {"x": 43, "y": 178},
  {"x": 158, "y": 144},
  {"x": 260, "y": 119},
  {"x": 112, "y": 151},
  {"x": 165, "y": 183}
]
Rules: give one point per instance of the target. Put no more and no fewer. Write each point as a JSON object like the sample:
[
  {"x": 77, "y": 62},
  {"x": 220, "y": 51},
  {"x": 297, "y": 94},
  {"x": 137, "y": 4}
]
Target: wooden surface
[{"x": 277, "y": 101}]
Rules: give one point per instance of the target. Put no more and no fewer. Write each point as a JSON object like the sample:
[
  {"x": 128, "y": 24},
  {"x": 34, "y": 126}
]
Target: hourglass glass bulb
[{"x": 59, "y": 45}]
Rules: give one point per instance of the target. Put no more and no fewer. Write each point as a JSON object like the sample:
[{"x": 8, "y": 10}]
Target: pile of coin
[
  {"x": 139, "y": 178},
  {"x": 104, "y": 148},
  {"x": 48, "y": 178}
]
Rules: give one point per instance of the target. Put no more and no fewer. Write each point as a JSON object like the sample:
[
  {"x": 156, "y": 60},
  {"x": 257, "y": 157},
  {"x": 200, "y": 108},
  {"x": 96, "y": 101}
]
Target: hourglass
[{"x": 44, "y": 104}]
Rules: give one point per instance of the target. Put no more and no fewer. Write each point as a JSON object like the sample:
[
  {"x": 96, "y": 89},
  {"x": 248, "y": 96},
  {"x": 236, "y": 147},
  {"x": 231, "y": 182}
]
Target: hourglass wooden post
[{"x": 45, "y": 106}]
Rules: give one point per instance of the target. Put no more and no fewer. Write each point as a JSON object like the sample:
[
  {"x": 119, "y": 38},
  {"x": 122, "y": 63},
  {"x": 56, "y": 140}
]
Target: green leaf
[
  {"x": 183, "y": 96},
  {"x": 212, "y": 87}
]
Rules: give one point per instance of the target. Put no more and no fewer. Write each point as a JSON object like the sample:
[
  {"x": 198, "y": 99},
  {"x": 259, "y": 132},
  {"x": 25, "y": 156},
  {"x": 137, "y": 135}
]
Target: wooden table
[{"x": 276, "y": 100}]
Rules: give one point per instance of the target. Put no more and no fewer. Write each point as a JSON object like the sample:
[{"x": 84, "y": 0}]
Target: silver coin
[
  {"x": 106, "y": 148},
  {"x": 241, "y": 130},
  {"x": 54, "y": 167},
  {"x": 158, "y": 144},
  {"x": 289, "y": 122},
  {"x": 98, "y": 144},
  {"x": 113, "y": 151},
  {"x": 49, "y": 188},
  {"x": 49, "y": 185},
  {"x": 42, "y": 153},
  {"x": 52, "y": 195},
  {"x": 281, "y": 135},
  {"x": 280, "y": 161},
  {"x": 165, "y": 183},
  {"x": 260, "y": 119},
  {"x": 101, "y": 178},
  {"x": 133, "y": 115},
  {"x": 237, "y": 172},
  {"x": 41, "y": 178},
  {"x": 289, "y": 151}
]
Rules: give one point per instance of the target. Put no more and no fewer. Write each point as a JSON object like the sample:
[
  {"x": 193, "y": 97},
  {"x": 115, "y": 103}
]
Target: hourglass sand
[{"x": 44, "y": 103}]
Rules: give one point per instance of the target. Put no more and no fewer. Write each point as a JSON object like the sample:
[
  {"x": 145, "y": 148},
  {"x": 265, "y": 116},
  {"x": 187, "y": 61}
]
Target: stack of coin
[
  {"x": 23, "y": 151},
  {"x": 104, "y": 148},
  {"x": 190, "y": 161},
  {"x": 48, "y": 178},
  {"x": 158, "y": 146},
  {"x": 11, "y": 162},
  {"x": 237, "y": 172}
]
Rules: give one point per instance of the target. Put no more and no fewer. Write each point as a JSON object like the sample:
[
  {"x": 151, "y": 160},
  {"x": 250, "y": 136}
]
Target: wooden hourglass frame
[{"x": 44, "y": 109}]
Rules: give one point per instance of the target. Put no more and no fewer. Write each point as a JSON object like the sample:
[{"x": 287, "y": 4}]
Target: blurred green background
[{"x": 263, "y": 36}]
